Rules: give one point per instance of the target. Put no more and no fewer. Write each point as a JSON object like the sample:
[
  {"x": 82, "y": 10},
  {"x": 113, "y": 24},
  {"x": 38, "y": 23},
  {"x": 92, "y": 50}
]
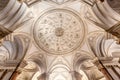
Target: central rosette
[{"x": 59, "y": 31}]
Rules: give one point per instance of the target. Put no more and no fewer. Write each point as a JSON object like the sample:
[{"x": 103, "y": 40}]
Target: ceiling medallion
[{"x": 59, "y": 31}]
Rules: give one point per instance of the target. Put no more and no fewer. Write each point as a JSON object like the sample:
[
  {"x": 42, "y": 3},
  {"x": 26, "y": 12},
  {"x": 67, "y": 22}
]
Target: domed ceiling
[
  {"x": 62, "y": 36},
  {"x": 59, "y": 31}
]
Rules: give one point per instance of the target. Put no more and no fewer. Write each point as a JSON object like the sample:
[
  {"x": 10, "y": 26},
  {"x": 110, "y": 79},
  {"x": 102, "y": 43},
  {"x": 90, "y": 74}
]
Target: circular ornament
[{"x": 59, "y": 31}]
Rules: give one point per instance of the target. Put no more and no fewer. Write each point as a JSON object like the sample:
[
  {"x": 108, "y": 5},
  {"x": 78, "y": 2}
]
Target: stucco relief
[{"x": 59, "y": 31}]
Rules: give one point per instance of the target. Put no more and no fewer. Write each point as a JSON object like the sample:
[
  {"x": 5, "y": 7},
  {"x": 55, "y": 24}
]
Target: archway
[{"x": 60, "y": 72}]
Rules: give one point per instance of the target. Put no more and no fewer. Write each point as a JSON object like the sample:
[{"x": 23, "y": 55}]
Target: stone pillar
[{"x": 11, "y": 12}]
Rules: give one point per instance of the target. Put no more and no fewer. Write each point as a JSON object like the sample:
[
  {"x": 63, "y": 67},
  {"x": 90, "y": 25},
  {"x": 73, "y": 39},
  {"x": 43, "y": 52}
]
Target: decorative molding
[{"x": 56, "y": 26}]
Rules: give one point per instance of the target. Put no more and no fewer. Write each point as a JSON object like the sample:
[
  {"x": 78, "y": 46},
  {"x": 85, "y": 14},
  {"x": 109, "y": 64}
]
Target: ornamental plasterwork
[
  {"x": 51, "y": 27},
  {"x": 59, "y": 31},
  {"x": 55, "y": 32}
]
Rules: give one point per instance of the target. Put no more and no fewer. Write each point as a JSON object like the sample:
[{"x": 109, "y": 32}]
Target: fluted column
[{"x": 11, "y": 12}]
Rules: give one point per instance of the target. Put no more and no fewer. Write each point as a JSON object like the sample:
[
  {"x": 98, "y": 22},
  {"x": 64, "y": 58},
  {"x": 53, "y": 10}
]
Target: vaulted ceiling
[{"x": 60, "y": 40}]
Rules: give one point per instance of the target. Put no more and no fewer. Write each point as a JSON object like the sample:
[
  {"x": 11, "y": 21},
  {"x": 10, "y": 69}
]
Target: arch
[
  {"x": 105, "y": 50},
  {"x": 80, "y": 58},
  {"x": 84, "y": 61},
  {"x": 16, "y": 47},
  {"x": 34, "y": 65},
  {"x": 39, "y": 59},
  {"x": 59, "y": 66},
  {"x": 60, "y": 71}
]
